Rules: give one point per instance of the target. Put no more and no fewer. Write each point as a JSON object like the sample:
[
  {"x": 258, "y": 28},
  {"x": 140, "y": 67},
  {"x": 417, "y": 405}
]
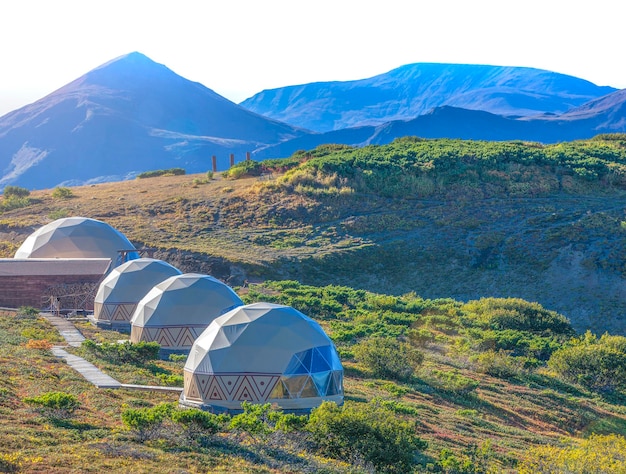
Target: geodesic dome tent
[
  {"x": 77, "y": 237},
  {"x": 176, "y": 311},
  {"x": 262, "y": 353},
  {"x": 120, "y": 292}
]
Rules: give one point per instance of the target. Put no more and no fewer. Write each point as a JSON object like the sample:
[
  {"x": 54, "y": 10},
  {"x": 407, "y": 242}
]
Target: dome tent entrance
[{"x": 262, "y": 353}]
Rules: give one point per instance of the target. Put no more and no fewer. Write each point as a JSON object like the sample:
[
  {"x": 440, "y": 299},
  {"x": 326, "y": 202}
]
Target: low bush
[
  {"x": 388, "y": 358},
  {"x": 243, "y": 169},
  {"x": 15, "y": 191},
  {"x": 367, "y": 432},
  {"x": 62, "y": 193},
  {"x": 55, "y": 404},
  {"x": 167, "y": 172},
  {"x": 124, "y": 353},
  {"x": 597, "y": 364},
  {"x": 258, "y": 421}
]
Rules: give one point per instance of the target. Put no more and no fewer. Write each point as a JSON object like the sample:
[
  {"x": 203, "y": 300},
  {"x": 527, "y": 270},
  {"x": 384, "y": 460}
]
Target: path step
[{"x": 87, "y": 369}]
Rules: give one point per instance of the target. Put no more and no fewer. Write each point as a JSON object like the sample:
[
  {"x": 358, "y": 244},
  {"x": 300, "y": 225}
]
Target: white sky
[{"x": 240, "y": 47}]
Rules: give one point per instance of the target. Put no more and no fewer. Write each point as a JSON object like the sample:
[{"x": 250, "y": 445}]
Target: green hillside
[
  {"x": 442, "y": 218},
  {"x": 456, "y": 278}
]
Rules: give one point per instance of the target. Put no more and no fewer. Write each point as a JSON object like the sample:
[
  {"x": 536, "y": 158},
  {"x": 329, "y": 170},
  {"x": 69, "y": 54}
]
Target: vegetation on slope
[
  {"x": 480, "y": 390},
  {"x": 443, "y": 218}
]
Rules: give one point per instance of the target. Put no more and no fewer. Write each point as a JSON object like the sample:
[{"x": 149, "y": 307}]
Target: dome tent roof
[
  {"x": 76, "y": 237},
  {"x": 263, "y": 352},
  {"x": 176, "y": 311},
  {"x": 132, "y": 280}
]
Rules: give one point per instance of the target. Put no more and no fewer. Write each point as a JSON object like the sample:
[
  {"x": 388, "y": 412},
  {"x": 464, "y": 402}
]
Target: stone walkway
[
  {"x": 92, "y": 374},
  {"x": 72, "y": 336}
]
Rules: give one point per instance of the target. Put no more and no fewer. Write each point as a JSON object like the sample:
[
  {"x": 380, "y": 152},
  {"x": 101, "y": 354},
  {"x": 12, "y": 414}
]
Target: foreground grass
[{"x": 486, "y": 413}]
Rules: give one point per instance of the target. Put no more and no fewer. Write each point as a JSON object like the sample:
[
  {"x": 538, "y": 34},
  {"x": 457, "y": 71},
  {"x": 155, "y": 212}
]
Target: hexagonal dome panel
[
  {"x": 77, "y": 237},
  {"x": 263, "y": 353},
  {"x": 176, "y": 311},
  {"x": 120, "y": 292}
]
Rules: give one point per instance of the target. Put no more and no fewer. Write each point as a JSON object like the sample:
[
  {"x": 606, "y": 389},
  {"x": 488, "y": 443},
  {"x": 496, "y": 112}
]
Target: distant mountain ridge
[
  {"x": 132, "y": 115},
  {"x": 415, "y": 89},
  {"x": 126, "y": 116}
]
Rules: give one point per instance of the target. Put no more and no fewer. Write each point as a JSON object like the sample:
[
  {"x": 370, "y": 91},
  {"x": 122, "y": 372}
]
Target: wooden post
[
  {"x": 232, "y": 160},
  {"x": 247, "y": 156},
  {"x": 214, "y": 160}
]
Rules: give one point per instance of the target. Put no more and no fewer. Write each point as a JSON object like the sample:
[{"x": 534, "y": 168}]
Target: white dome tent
[
  {"x": 120, "y": 292},
  {"x": 77, "y": 237},
  {"x": 262, "y": 353},
  {"x": 176, "y": 311}
]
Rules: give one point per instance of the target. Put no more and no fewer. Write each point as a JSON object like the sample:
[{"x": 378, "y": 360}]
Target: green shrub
[
  {"x": 598, "y": 364},
  {"x": 388, "y": 358},
  {"x": 62, "y": 193},
  {"x": 518, "y": 314},
  {"x": 167, "y": 172},
  {"x": 365, "y": 431},
  {"x": 55, "y": 404},
  {"x": 124, "y": 353},
  {"x": 146, "y": 422},
  {"x": 15, "y": 191},
  {"x": 27, "y": 312},
  {"x": 258, "y": 421},
  {"x": 9, "y": 203},
  {"x": 243, "y": 169},
  {"x": 497, "y": 363},
  {"x": 451, "y": 381}
]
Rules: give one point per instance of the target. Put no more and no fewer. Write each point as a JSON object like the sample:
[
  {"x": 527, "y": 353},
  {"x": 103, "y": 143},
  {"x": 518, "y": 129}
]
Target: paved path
[
  {"x": 92, "y": 374},
  {"x": 69, "y": 332}
]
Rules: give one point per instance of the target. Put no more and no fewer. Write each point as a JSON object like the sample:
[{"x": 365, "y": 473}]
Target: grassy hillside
[
  {"x": 443, "y": 218},
  {"x": 484, "y": 395},
  {"x": 414, "y": 257}
]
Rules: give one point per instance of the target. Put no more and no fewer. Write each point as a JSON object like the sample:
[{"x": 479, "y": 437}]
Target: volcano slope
[{"x": 440, "y": 218}]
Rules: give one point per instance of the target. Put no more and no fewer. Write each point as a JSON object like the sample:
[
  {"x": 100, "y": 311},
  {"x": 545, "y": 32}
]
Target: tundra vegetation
[
  {"x": 433, "y": 384},
  {"x": 491, "y": 385}
]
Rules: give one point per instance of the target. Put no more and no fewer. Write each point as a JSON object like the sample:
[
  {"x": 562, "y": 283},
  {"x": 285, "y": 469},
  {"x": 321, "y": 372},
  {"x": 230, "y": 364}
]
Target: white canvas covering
[
  {"x": 262, "y": 353},
  {"x": 76, "y": 237},
  {"x": 120, "y": 292},
  {"x": 176, "y": 311}
]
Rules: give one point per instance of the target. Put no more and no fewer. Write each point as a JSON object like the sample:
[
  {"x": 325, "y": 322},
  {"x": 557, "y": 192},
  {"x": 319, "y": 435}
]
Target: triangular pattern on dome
[
  {"x": 174, "y": 333},
  {"x": 264, "y": 384},
  {"x": 163, "y": 338},
  {"x": 245, "y": 391},
  {"x": 120, "y": 312},
  {"x": 187, "y": 338},
  {"x": 214, "y": 391},
  {"x": 229, "y": 383}
]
